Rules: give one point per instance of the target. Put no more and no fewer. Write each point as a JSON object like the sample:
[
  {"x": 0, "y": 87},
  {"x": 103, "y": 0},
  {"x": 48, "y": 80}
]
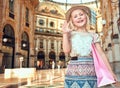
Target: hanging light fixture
[
  {"x": 24, "y": 45},
  {"x": 5, "y": 39},
  {"x": 103, "y": 22}
]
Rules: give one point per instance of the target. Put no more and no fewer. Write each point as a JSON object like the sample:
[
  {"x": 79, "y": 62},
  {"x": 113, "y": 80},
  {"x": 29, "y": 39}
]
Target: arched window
[
  {"x": 8, "y": 36},
  {"x": 25, "y": 41},
  {"x": 41, "y": 55},
  {"x": 52, "y": 55}
]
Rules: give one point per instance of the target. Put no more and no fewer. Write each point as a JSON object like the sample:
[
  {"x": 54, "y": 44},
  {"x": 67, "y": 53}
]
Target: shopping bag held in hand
[{"x": 104, "y": 77}]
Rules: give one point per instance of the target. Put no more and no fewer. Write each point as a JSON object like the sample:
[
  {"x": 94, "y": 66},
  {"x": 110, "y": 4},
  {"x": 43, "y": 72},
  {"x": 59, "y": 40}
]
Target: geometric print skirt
[{"x": 80, "y": 74}]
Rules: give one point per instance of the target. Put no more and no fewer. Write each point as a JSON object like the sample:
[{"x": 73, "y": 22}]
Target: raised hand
[{"x": 65, "y": 28}]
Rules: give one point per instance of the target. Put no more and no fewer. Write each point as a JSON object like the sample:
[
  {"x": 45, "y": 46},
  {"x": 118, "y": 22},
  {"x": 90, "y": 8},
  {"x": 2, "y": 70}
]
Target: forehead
[{"x": 77, "y": 11}]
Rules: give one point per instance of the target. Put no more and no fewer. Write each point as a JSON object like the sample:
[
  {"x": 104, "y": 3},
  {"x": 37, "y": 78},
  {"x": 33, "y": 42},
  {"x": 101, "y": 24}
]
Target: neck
[{"x": 81, "y": 30}]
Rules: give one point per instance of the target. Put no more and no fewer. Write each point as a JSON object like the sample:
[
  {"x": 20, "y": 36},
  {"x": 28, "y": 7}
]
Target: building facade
[
  {"x": 111, "y": 41},
  {"x": 48, "y": 35},
  {"x": 50, "y": 16},
  {"x": 32, "y": 30},
  {"x": 17, "y": 32}
]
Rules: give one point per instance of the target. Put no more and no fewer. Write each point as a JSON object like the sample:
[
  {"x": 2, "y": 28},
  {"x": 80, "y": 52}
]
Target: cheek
[
  {"x": 85, "y": 18},
  {"x": 74, "y": 20}
]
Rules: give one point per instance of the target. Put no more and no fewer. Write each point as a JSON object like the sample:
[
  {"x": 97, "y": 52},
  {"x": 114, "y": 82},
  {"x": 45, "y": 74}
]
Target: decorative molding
[{"x": 51, "y": 10}]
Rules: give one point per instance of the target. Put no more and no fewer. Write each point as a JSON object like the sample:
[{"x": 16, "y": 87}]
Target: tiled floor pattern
[
  {"x": 50, "y": 78},
  {"x": 47, "y": 79},
  {"x": 53, "y": 79}
]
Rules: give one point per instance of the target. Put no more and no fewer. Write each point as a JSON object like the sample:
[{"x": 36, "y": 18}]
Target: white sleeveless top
[{"x": 81, "y": 43}]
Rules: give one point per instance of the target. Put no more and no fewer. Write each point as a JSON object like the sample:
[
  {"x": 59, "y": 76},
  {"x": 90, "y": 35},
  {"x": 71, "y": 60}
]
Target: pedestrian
[
  {"x": 53, "y": 64},
  {"x": 77, "y": 40}
]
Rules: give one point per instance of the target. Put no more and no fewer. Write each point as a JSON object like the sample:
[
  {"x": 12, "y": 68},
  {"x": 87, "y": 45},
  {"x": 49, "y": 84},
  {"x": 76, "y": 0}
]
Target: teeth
[{"x": 79, "y": 21}]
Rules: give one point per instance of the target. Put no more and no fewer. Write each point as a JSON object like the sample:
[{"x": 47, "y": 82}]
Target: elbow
[{"x": 66, "y": 51}]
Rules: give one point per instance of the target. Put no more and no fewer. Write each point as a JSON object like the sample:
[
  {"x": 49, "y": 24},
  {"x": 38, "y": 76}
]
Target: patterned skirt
[{"x": 81, "y": 74}]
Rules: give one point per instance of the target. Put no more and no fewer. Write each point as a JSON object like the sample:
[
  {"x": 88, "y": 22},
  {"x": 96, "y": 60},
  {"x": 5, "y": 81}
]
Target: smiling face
[{"x": 79, "y": 18}]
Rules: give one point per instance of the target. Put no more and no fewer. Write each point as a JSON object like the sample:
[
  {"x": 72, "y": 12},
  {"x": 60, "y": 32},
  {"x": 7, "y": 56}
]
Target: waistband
[{"x": 81, "y": 57}]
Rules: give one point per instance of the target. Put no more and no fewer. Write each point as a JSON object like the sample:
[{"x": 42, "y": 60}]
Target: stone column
[
  {"x": 17, "y": 52},
  {"x": 1, "y": 54},
  {"x": 110, "y": 54},
  {"x": 46, "y": 53},
  {"x": 47, "y": 58},
  {"x": 32, "y": 61},
  {"x": 1, "y": 58},
  {"x": 116, "y": 56},
  {"x": 116, "y": 50}
]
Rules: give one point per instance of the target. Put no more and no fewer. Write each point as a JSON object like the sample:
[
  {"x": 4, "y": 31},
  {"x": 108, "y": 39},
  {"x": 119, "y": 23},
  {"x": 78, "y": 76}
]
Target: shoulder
[
  {"x": 96, "y": 37},
  {"x": 94, "y": 34}
]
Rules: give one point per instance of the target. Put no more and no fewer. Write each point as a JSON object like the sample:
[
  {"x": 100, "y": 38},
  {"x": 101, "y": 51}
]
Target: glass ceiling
[{"x": 73, "y": 1}]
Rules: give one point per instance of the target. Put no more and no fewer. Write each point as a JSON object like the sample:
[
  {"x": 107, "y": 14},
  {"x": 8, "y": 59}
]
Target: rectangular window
[
  {"x": 52, "y": 44},
  {"x": 41, "y": 43},
  {"x": 27, "y": 17},
  {"x": 11, "y": 8}
]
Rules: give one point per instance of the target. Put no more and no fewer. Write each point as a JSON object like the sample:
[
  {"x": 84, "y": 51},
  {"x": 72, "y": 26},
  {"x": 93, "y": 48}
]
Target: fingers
[
  {"x": 65, "y": 28},
  {"x": 65, "y": 25}
]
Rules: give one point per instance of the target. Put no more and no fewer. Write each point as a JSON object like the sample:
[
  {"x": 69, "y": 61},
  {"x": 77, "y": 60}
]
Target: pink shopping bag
[{"x": 104, "y": 77}]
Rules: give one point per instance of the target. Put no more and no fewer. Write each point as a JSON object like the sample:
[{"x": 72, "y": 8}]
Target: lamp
[
  {"x": 24, "y": 45},
  {"x": 5, "y": 39},
  {"x": 103, "y": 22}
]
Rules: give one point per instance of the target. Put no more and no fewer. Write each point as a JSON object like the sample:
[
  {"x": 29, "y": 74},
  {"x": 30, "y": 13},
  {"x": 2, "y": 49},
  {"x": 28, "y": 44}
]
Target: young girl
[{"x": 77, "y": 42}]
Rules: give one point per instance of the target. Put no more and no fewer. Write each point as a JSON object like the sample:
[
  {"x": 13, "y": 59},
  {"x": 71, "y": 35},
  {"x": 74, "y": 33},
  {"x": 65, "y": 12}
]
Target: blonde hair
[
  {"x": 72, "y": 27},
  {"x": 88, "y": 23}
]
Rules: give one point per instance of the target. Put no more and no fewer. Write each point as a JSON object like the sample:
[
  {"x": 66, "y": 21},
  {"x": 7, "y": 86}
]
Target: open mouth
[{"x": 80, "y": 21}]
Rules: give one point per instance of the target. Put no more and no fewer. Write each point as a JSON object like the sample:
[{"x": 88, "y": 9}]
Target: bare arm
[
  {"x": 66, "y": 43},
  {"x": 66, "y": 38},
  {"x": 105, "y": 59}
]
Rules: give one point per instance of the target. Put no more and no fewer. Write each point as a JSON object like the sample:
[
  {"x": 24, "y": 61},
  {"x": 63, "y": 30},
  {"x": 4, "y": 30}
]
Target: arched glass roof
[{"x": 74, "y": 1}]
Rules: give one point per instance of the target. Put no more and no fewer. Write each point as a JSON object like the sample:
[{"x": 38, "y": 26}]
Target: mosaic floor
[
  {"x": 47, "y": 79},
  {"x": 50, "y": 78}
]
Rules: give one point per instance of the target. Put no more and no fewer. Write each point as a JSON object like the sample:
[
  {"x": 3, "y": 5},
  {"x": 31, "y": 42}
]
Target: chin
[{"x": 80, "y": 26}]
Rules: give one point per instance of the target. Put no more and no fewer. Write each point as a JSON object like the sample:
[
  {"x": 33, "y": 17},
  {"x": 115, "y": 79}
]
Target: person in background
[{"x": 77, "y": 40}]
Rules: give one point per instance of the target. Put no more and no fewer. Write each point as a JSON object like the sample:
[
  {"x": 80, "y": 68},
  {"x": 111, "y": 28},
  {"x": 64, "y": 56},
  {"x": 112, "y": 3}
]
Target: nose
[{"x": 79, "y": 17}]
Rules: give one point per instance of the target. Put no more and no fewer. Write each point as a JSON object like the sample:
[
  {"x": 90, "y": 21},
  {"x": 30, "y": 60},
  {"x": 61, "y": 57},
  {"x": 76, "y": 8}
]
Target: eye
[
  {"x": 81, "y": 14},
  {"x": 75, "y": 16}
]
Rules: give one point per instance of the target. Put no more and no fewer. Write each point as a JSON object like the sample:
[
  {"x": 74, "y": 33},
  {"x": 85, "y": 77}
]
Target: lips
[{"x": 80, "y": 21}]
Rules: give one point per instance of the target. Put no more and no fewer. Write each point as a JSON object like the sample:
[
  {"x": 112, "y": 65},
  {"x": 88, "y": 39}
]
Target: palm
[{"x": 65, "y": 28}]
